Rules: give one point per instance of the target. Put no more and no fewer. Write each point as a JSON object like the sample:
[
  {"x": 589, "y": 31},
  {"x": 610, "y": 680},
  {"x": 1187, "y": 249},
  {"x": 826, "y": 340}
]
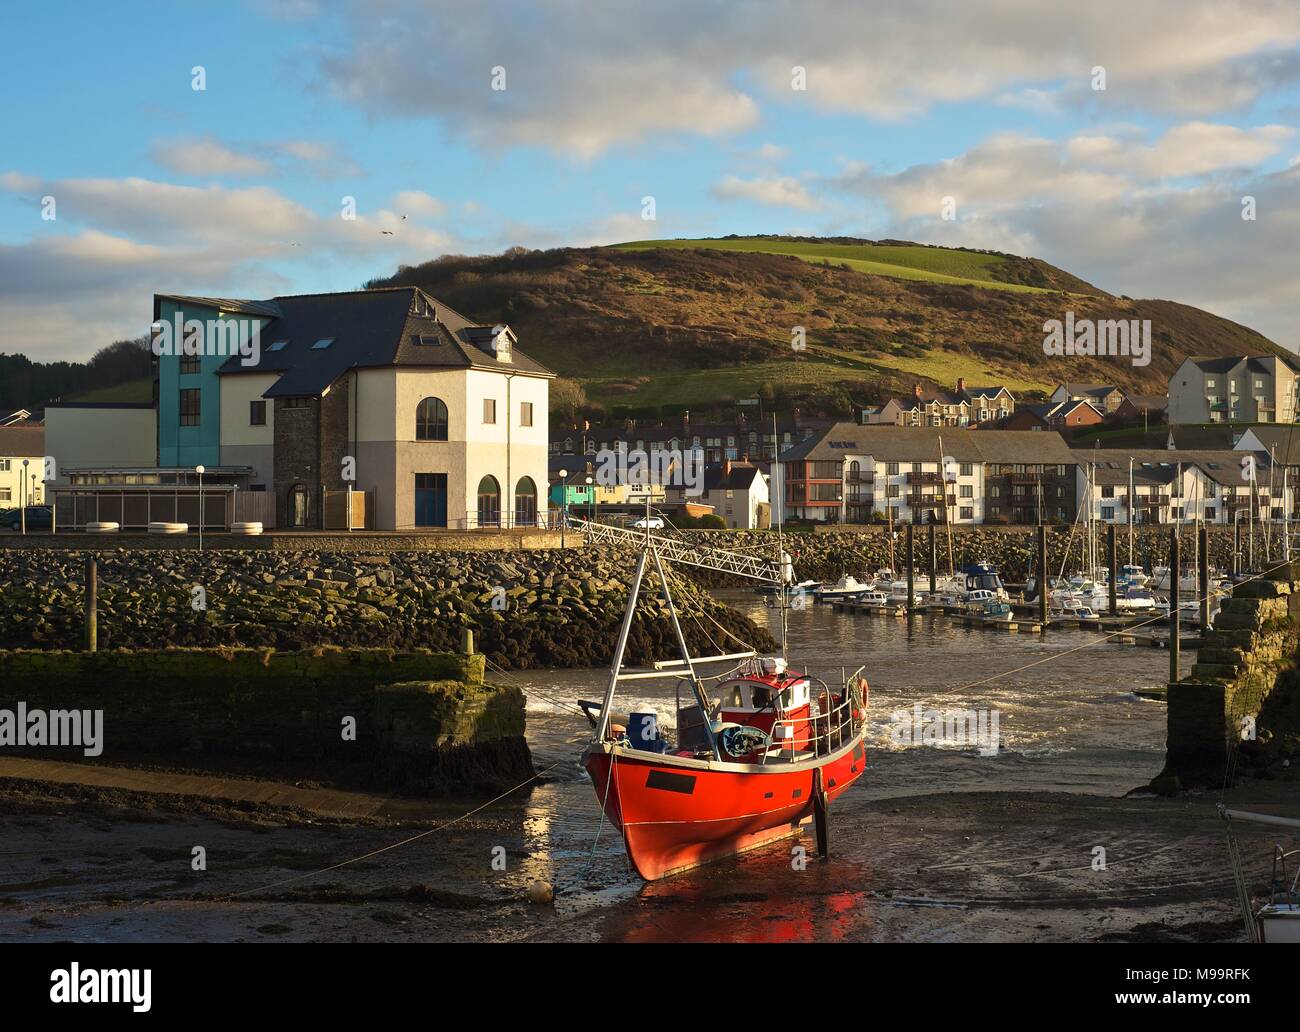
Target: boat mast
[
  {"x": 947, "y": 521},
  {"x": 634, "y": 589},
  {"x": 782, "y": 567}
]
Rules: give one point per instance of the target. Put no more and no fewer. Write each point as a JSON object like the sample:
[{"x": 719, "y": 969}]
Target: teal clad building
[{"x": 189, "y": 389}]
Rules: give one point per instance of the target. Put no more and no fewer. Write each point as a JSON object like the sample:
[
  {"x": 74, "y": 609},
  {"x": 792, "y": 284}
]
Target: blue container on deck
[{"x": 643, "y": 732}]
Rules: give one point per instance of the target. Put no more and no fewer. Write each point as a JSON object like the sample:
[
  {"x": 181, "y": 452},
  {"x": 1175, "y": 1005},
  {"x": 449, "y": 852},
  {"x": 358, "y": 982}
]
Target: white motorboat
[
  {"x": 1135, "y": 600},
  {"x": 847, "y": 586}
]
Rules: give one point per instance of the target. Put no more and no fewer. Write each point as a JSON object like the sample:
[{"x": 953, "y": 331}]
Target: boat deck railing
[{"x": 837, "y": 720}]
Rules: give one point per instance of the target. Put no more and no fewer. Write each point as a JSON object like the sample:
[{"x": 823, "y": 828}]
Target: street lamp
[
  {"x": 23, "y": 496},
  {"x": 200, "y": 471},
  {"x": 564, "y": 512}
]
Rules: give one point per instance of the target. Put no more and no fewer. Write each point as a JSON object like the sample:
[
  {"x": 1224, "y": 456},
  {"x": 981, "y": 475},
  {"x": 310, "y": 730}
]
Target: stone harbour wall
[
  {"x": 557, "y": 608},
  {"x": 424, "y": 722},
  {"x": 1238, "y": 712}
]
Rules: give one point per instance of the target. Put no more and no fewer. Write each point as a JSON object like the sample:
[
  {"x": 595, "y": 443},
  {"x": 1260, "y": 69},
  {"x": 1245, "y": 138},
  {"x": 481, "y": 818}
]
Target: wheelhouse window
[{"x": 431, "y": 420}]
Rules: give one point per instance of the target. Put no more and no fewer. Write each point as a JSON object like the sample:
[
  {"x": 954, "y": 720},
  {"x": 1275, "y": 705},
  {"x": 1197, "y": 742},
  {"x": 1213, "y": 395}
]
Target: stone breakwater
[
  {"x": 527, "y": 609},
  {"x": 1012, "y": 550}
]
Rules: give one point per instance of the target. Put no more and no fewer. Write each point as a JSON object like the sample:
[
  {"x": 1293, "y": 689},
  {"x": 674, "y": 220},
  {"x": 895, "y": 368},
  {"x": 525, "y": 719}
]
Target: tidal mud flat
[{"x": 97, "y": 863}]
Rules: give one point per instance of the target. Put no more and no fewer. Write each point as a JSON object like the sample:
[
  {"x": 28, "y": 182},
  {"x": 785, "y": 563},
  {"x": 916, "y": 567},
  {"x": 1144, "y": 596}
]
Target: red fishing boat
[{"x": 756, "y": 752}]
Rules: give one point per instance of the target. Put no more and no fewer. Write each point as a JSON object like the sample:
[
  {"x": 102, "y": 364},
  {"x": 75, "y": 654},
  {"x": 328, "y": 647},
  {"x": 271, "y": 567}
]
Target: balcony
[
  {"x": 930, "y": 501},
  {"x": 1158, "y": 501},
  {"x": 859, "y": 478},
  {"x": 924, "y": 478}
]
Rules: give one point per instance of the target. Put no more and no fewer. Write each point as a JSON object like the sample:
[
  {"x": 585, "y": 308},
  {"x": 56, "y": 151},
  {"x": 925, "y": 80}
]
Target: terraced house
[
  {"x": 852, "y": 473},
  {"x": 384, "y": 395},
  {"x": 1235, "y": 389}
]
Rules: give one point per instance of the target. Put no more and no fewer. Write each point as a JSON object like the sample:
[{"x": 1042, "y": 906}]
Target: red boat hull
[{"x": 676, "y": 813}]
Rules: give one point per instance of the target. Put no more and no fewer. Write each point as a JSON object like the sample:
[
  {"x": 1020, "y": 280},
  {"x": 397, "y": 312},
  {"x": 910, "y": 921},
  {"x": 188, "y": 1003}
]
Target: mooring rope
[{"x": 394, "y": 845}]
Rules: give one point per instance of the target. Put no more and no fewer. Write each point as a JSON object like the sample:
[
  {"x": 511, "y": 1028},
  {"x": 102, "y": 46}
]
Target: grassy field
[
  {"x": 133, "y": 392},
  {"x": 935, "y": 264}
]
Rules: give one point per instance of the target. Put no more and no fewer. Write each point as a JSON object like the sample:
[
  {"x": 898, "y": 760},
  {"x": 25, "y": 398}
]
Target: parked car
[
  {"x": 39, "y": 517},
  {"x": 649, "y": 523}
]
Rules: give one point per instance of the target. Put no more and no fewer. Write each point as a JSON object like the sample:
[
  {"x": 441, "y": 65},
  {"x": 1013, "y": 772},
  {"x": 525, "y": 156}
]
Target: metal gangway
[{"x": 677, "y": 550}]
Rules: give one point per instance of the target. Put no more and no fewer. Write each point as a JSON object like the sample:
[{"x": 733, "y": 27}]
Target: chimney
[
  {"x": 629, "y": 424},
  {"x": 686, "y": 421},
  {"x": 916, "y": 390},
  {"x": 961, "y": 384}
]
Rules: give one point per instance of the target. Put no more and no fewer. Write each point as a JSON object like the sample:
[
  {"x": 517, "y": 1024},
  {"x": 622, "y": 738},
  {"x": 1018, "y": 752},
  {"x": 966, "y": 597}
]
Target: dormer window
[
  {"x": 278, "y": 345},
  {"x": 322, "y": 344}
]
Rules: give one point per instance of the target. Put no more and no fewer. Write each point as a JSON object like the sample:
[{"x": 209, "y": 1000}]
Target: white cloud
[
  {"x": 208, "y": 157},
  {"x": 783, "y": 191},
  {"x": 1148, "y": 219},
  {"x": 581, "y": 80},
  {"x": 118, "y": 241},
  {"x": 417, "y": 202}
]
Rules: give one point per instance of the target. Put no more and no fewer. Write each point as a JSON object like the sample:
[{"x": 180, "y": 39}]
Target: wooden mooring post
[
  {"x": 1044, "y": 581},
  {"x": 934, "y": 562},
  {"x": 1113, "y": 558},
  {"x": 92, "y": 605},
  {"x": 1173, "y": 604},
  {"x": 911, "y": 571},
  {"x": 1203, "y": 579}
]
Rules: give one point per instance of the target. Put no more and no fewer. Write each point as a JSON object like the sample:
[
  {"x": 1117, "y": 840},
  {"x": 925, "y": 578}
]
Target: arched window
[
  {"x": 431, "y": 420},
  {"x": 525, "y": 503},
  {"x": 489, "y": 502}
]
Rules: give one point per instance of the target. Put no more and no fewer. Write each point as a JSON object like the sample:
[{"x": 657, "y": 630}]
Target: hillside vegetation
[{"x": 682, "y": 323}]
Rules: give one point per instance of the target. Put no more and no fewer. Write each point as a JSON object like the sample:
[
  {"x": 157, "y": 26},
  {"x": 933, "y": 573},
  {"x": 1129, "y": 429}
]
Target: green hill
[{"x": 701, "y": 322}]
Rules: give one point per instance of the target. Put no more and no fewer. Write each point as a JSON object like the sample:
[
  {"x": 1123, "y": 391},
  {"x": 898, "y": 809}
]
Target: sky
[{"x": 212, "y": 148}]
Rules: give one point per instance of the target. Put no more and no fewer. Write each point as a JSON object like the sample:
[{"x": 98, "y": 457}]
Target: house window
[
  {"x": 967, "y": 491},
  {"x": 431, "y": 420},
  {"x": 891, "y": 469},
  {"x": 191, "y": 363},
  {"x": 966, "y": 513},
  {"x": 4, "y": 465},
  {"x": 190, "y": 407},
  {"x": 489, "y": 410},
  {"x": 967, "y": 469},
  {"x": 525, "y": 413},
  {"x": 299, "y": 402},
  {"x": 6, "y": 494},
  {"x": 257, "y": 413}
]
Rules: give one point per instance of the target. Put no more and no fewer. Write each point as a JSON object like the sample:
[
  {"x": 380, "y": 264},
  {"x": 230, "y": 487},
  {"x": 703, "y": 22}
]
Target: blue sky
[{"x": 237, "y": 189}]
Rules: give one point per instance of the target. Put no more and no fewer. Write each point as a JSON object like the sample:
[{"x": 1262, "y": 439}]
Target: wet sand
[{"x": 101, "y": 864}]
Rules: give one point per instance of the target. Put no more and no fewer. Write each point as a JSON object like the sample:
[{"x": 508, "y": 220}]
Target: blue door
[{"x": 431, "y": 499}]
